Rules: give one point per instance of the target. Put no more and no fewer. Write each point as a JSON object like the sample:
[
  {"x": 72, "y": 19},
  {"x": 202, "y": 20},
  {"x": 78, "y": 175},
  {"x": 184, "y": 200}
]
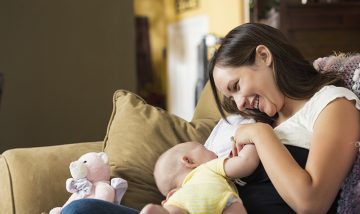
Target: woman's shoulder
[
  {"x": 322, "y": 99},
  {"x": 332, "y": 89},
  {"x": 329, "y": 93}
]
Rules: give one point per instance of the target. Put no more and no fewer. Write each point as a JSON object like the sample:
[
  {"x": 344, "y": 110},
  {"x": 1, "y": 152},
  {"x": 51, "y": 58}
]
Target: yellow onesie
[{"x": 205, "y": 190}]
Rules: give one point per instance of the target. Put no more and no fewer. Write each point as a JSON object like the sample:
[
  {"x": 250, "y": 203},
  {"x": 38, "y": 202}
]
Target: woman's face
[{"x": 251, "y": 87}]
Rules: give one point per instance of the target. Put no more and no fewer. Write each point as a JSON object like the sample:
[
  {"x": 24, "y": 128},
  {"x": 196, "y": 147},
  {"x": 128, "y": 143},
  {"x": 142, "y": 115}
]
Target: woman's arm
[
  {"x": 243, "y": 164},
  {"x": 331, "y": 155}
]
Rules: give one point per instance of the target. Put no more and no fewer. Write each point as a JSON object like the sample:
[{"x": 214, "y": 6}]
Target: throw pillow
[
  {"x": 348, "y": 65},
  {"x": 136, "y": 136},
  {"x": 349, "y": 201}
]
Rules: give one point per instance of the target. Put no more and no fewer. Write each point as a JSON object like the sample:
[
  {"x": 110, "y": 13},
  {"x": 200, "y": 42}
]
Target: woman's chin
[{"x": 270, "y": 112}]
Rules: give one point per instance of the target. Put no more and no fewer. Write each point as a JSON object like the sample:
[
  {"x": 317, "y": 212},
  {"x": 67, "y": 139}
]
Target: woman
[
  {"x": 306, "y": 131},
  {"x": 309, "y": 123}
]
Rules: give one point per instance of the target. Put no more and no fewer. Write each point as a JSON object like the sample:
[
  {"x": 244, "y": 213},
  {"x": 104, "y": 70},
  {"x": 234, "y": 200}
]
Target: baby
[{"x": 194, "y": 180}]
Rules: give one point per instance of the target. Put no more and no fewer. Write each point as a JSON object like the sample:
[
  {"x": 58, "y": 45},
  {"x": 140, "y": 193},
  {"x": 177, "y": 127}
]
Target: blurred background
[{"x": 61, "y": 61}]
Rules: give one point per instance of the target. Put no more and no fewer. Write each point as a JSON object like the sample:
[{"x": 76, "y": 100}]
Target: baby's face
[{"x": 167, "y": 163}]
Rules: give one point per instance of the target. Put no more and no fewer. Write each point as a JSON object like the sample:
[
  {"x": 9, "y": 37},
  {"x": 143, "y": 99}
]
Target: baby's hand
[{"x": 168, "y": 196}]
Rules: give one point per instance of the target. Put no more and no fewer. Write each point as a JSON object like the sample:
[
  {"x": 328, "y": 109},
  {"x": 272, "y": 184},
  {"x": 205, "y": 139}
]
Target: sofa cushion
[
  {"x": 136, "y": 136},
  {"x": 206, "y": 106}
]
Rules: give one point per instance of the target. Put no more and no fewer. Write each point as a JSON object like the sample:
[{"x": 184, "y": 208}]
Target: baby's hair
[{"x": 167, "y": 166}]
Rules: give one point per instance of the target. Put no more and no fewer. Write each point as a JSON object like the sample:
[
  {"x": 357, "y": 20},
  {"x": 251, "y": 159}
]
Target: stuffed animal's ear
[{"x": 104, "y": 157}]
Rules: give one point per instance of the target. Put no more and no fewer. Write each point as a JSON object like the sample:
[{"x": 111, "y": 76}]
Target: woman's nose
[{"x": 241, "y": 102}]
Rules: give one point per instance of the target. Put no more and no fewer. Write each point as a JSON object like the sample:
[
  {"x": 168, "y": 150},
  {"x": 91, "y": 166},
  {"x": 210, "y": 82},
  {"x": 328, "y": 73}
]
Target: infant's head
[{"x": 177, "y": 162}]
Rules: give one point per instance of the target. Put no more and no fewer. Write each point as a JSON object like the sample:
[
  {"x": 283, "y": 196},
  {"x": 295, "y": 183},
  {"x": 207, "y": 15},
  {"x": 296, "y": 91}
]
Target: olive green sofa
[{"x": 32, "y": 180}]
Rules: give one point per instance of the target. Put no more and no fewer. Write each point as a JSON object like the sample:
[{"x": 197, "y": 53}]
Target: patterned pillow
[
  {"x": 347, "y": 65},
  {"x": 349, "y": 201}
]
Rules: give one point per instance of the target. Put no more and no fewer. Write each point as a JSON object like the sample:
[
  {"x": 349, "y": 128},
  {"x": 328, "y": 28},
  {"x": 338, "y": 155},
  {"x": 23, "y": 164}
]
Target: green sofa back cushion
[{"x": 137, "y": 134}]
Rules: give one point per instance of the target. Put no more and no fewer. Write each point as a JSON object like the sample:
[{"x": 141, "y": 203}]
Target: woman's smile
[{"x": 255, "y": 102}]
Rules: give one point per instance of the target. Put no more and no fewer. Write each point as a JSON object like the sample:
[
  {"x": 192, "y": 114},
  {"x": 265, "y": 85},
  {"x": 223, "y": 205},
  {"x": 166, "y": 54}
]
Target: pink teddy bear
[{"x": 91, "y": 179}]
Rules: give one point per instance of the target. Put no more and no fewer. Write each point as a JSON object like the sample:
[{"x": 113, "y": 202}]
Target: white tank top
[{"x": 298, "y": 129}]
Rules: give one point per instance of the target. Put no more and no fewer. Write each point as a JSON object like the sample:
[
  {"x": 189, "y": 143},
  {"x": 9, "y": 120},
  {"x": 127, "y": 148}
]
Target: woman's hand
[{"x": 253, "y": 133}]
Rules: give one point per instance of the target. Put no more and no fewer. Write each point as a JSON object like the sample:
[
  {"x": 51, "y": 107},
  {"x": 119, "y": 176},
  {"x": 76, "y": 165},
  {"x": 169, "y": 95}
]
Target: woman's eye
[{"x": 236, "y": 86}]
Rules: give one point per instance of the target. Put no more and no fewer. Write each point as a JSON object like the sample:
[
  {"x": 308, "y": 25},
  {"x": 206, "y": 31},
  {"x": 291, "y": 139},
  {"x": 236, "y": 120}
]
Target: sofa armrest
[{"x": 32, "y": 180}]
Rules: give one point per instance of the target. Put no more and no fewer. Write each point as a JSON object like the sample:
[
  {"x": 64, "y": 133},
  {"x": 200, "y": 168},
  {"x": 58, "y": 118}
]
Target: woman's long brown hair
[{"x": 294, "y": 75}]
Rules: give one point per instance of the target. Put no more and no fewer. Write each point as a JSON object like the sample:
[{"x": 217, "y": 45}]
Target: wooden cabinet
[{"x": 319, "y": 29}]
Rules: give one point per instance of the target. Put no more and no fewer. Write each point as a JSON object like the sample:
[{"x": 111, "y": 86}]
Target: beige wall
[
  {"x": 223, "y": 16},
  {"x": 62, "y": 62}
]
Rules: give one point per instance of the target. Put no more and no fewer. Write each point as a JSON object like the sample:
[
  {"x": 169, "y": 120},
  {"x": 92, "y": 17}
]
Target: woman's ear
[
  {"x": 188, "y": 162},
  {"x": 264, "y": 55}
]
